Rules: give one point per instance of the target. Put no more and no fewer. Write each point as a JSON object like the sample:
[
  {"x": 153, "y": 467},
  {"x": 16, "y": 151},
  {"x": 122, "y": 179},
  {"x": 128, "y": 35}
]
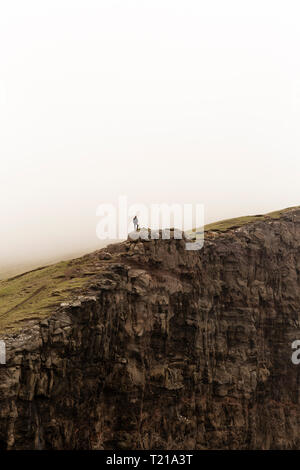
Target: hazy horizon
[{"x": 164, "y": 101}]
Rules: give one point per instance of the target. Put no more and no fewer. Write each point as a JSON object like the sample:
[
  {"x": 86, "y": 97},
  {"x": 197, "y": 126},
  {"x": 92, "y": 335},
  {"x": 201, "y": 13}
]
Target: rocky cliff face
[{"x": 168, "y": 349}]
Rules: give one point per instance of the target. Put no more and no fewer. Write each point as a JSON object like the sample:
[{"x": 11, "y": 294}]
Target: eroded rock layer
[{"x": 167, "y": 349}]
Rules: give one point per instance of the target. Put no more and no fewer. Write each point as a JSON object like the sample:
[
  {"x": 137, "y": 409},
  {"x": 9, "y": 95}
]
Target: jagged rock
[{"x": 105, "y": 255}]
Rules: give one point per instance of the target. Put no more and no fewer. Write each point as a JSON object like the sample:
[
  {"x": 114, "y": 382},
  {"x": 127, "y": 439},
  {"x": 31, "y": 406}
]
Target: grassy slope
[
  {"x": 35, "y": 294},
  {"x": 13, "y": 269},
  {"x": 224, "y": 225}
]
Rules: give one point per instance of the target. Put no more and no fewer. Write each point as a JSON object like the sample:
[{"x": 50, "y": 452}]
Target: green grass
[
  {"x": 35, "y": 294},
  {"x": 229, "y": 224}
]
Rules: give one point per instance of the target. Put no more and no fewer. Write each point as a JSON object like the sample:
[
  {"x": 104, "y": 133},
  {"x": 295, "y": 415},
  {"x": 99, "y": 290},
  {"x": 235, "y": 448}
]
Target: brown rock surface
[{"x": 167, "y": 349}]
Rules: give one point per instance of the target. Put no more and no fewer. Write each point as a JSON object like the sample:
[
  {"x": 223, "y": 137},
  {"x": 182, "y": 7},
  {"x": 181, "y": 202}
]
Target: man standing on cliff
[{"x": 135, "y": 223}]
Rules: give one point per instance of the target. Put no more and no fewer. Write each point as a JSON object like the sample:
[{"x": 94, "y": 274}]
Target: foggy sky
[{"x": 160, "y": 100}]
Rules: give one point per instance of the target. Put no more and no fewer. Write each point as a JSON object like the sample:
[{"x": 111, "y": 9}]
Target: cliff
[{"x": 144, "y": 345}]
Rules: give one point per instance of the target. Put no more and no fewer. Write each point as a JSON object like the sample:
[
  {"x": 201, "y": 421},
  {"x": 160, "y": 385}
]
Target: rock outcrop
[{"x": 167, "y": 349}]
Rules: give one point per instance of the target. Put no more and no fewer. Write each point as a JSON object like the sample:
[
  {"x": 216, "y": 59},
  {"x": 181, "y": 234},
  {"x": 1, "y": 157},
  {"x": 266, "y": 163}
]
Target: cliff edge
[{"x": 144, "y": 345}]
